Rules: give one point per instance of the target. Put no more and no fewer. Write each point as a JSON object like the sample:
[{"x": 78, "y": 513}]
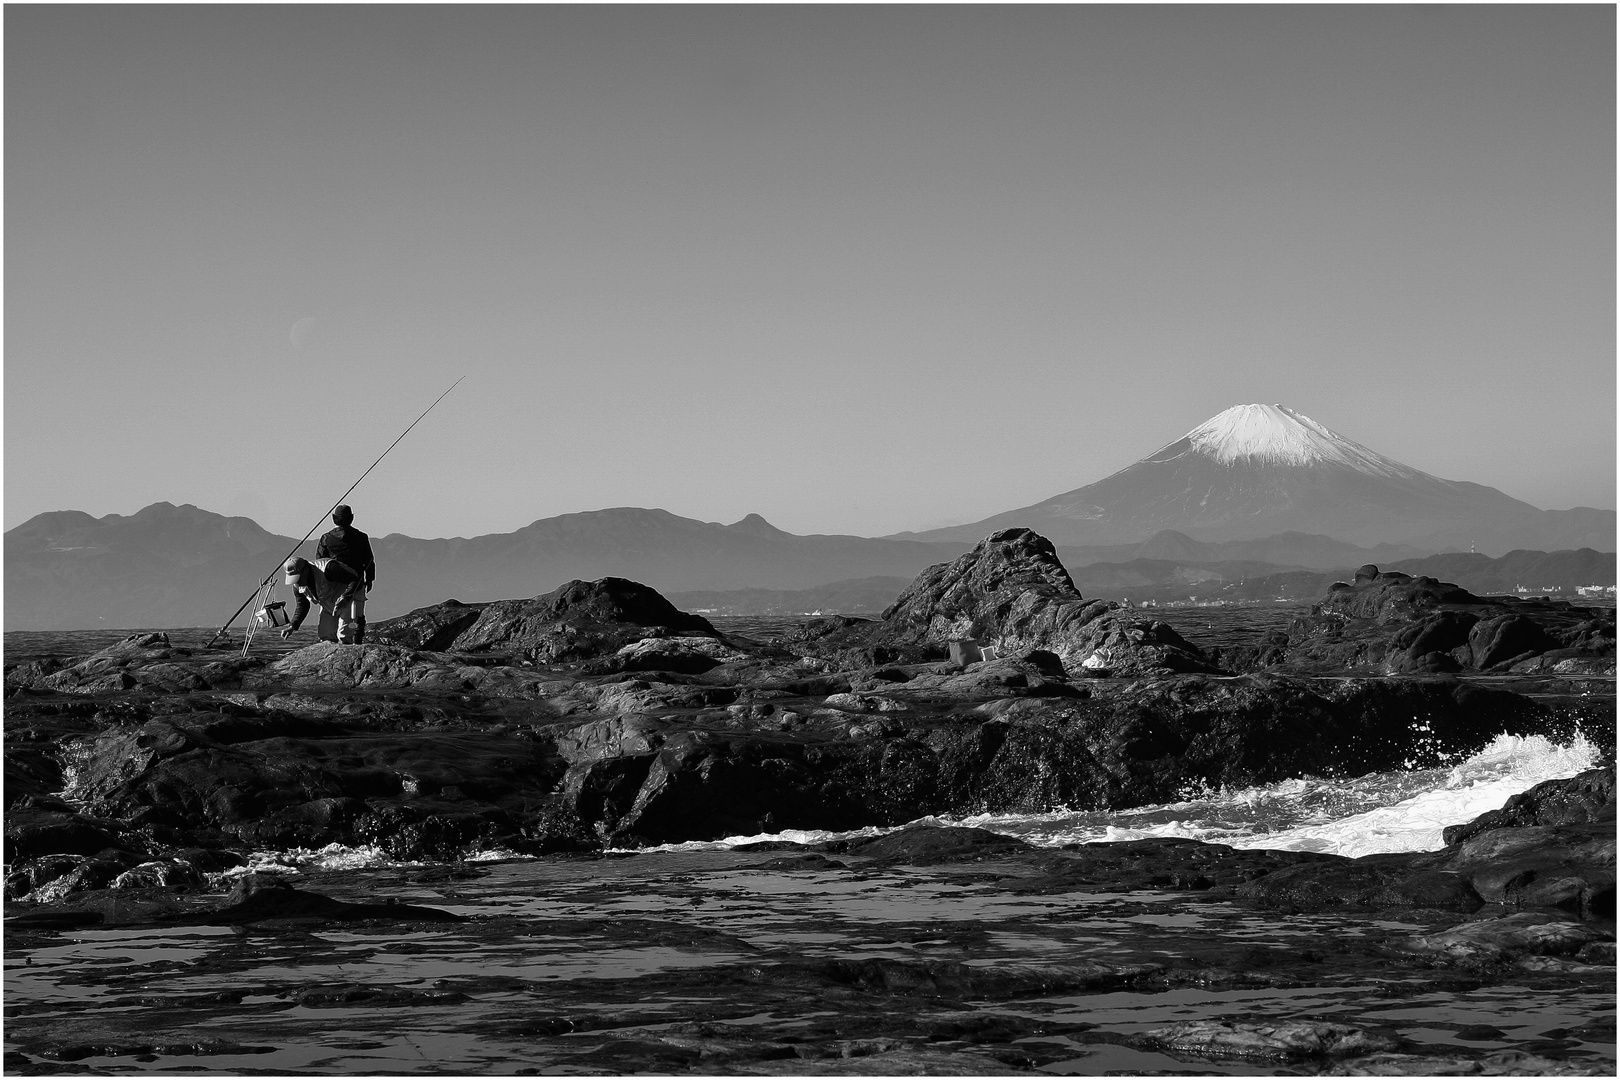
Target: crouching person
[{"x": 332, "y": 586}]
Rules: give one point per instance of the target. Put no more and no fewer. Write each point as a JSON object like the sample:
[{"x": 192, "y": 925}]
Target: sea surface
[{"x": 683, "y": 958}]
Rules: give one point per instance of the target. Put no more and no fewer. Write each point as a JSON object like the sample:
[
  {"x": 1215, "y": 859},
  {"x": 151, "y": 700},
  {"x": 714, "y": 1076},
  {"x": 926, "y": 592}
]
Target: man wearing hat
[
  {"x": 329, "y": 584},
  {"x": 352, "y": 548}
]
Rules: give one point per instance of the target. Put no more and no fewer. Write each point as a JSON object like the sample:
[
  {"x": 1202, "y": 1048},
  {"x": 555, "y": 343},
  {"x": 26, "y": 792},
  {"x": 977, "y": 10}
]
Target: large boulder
[
  {"x": 1383, "y": 596},
  {"x": 1395, "y": 624},
  {"x": 579, "y": 621},
  {"x": 1012, "y": 593}
]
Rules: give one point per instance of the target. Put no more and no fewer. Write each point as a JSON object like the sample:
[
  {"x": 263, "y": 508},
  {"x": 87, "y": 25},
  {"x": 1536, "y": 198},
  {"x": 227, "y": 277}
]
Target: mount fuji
[{"x": 1257, "y": 470}]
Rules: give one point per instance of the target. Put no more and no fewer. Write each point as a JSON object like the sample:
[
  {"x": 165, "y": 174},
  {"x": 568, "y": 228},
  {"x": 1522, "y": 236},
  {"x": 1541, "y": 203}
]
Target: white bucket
[{"x": 272, "y": 614}]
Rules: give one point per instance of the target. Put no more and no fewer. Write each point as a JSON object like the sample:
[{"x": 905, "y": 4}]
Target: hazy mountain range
[
  {"x": 1255, "y": 489},
  {"x": 172, "y": 565},
  {"x": 182, "y": 566}
]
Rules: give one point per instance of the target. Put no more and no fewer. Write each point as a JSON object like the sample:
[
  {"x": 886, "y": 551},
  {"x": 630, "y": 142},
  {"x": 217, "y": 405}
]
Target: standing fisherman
[{"x": 352, "y": 548}]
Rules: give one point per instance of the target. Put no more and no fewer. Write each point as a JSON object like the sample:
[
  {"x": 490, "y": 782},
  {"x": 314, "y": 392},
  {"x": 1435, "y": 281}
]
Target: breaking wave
[{"x": 1377, "y": 813}]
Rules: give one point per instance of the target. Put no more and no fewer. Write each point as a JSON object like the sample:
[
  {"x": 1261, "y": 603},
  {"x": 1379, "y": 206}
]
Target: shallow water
[{"x": 712, "y": 963}]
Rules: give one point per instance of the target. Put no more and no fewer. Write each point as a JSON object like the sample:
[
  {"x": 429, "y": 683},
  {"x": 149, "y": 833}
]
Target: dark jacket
[{"x": 351, "y": 547}]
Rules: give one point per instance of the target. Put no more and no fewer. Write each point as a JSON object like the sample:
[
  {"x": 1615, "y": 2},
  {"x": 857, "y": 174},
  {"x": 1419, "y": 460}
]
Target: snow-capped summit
[
  {"x": 1276, "y": 435},
  {"x": 1268, "y": 432},
  {"x": 1254, "y": 470}
]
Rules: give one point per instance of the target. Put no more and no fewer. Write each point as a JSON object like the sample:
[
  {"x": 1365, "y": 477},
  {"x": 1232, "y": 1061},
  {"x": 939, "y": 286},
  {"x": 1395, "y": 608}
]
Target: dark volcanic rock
[
  {"x": 577, "y": 621},
  {"x": 1012, "y": 593},
  {"x": 430, "y": 629},
  {"x": 1392, "y": 623},
  {"x": 655, "y": 780},
  {"x": 1372, "y": 881},
  {"x": 1586, "y": 798},
  {"x": 1516, "y": 857},
  {"x": 49, "y": 832},
  {"x": 1506, "y": 638},
  {"x": 418, "y": 794},
  {"x": 1570, "y": 867},
  {"x": 1508, "y": 938},
  {"x": 1392, "y": 595}
]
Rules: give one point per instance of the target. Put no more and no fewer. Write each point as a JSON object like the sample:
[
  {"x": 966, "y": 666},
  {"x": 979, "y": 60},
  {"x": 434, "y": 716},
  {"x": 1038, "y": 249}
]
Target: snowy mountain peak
[{"x": 1274, "y": 435}]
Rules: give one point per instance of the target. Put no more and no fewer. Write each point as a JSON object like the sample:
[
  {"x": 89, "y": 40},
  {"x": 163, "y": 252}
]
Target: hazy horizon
[{"x": 855, "y": 269}]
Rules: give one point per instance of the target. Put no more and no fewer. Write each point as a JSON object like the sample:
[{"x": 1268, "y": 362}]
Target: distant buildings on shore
[{"x": 1580, "y": 590}]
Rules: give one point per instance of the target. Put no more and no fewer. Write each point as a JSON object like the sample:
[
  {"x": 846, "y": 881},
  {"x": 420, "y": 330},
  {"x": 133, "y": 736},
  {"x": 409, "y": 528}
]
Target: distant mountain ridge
[
  {"x": 1259, "y": 470},
  {"x": 170, "y": 565},
  {"x": 173, "y": 565}
]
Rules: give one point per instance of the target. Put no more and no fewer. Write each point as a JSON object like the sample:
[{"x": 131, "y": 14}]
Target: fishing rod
[{"x": 260, "y": 587}]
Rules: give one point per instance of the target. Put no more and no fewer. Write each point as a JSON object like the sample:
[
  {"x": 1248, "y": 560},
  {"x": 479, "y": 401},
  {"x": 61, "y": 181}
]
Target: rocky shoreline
[{"x": 599, "y": 717}]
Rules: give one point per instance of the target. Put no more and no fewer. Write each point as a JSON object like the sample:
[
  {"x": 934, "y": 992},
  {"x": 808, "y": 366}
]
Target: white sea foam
[
  {"x": 343, "y": 857},
  {"x": 330, "y": 857},
  {"x": 1381, "y": 812}
]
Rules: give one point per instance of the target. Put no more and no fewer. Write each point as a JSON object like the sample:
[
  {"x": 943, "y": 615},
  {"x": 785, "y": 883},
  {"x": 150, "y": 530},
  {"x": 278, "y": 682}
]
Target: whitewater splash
[
  {"x": 1373, "y": 814},
  {"x": 342, "y": 857}
]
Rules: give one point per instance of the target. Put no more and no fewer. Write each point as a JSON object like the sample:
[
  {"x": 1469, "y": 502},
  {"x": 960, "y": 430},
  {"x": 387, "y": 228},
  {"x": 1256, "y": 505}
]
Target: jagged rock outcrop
[{"x": 1011, "y": 592}]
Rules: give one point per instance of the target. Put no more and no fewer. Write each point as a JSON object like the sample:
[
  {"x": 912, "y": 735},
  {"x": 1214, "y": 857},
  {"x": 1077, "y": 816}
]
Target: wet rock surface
[{"x": 142, "y": 778}]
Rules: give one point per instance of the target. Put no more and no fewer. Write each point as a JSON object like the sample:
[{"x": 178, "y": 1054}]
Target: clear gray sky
[{"x": 857, "y": 269}]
